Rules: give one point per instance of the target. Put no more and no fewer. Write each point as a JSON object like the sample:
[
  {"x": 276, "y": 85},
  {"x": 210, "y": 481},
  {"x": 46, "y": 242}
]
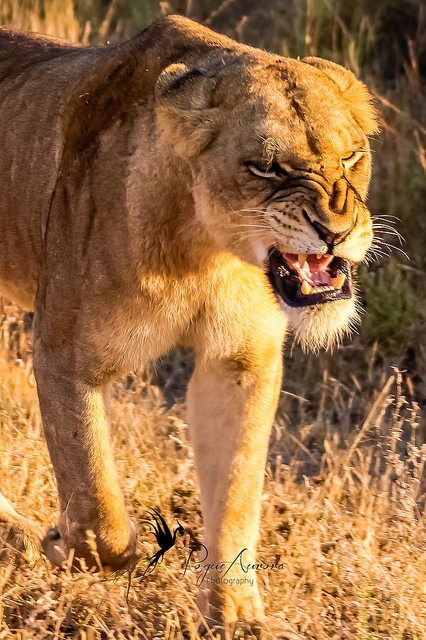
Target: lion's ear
[
  {"x": 180, "y": 87},
  {"x": 186, "y": 112},
  {"x": 353, "y": 91}
]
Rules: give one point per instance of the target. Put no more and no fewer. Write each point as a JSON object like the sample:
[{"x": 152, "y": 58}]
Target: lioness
[{"x": 176, "y": 188}]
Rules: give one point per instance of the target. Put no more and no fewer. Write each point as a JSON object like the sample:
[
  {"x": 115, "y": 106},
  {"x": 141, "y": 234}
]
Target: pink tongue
[{"x": 314, "y": 270}]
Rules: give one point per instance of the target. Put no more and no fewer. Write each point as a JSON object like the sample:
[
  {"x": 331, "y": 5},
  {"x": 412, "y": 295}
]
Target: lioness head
[{"x": 281, "y": 163}]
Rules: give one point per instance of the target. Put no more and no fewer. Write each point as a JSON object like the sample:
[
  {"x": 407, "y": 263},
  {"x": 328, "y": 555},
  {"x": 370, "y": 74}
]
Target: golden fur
[{"x": 129, "y": 220}]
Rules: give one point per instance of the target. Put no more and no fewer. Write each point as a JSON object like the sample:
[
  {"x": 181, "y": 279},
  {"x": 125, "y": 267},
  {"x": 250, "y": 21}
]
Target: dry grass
[
  {"x": 55, "y": 17},
  {"x": 350, "y": 536}
]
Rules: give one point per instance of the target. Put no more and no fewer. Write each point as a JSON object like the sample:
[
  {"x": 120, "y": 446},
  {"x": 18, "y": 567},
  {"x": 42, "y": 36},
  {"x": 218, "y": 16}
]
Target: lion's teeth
[
  {"x": 338, "y": 281},
  {"x": 306, "y": 288},
  {"x": 319, "y": 256},
  {"x": 302, "y": 259}
]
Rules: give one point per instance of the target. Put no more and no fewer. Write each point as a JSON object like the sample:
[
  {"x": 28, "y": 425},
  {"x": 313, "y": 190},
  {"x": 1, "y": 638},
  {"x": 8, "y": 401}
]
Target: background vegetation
[{"x": 344, "y": 502}]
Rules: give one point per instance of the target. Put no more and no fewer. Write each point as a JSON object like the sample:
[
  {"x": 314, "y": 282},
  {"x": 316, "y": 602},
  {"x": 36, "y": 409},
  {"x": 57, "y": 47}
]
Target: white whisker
[
  {"x": 386, "y": 216},
  {"x": 388, "y": 229},
  {"x": 395, "y": 248},
  {"x": 248, "y": 234},
  {"x": 250, "y": 226}
]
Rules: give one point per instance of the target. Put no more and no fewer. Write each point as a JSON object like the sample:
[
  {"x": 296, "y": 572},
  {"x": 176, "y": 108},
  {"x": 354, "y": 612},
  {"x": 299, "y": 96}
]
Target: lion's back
[{"x": 19, "y": 51}]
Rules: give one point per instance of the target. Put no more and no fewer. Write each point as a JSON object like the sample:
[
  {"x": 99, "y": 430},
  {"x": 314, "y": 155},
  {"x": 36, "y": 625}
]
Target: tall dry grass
[{"x": 347, "y": 525}]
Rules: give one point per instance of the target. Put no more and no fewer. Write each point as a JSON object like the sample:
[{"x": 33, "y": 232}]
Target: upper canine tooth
[
  {"x": 319, "y": 256},
  {"x": 338, "y": 281},
  {"x": 305, "y": 288},
  {"x": 302, "y": 259}
]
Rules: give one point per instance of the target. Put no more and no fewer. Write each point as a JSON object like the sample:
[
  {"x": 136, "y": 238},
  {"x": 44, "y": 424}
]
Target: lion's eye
[
  {"x": 274, "y": 171},
  {"x": 351, "y": 160}
]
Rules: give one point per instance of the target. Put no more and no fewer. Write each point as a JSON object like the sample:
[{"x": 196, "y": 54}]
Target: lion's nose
[{"x": 330, "y": 238}]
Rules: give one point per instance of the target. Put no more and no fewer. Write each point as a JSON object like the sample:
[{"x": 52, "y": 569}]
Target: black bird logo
[{"x": 165, "y": 539}]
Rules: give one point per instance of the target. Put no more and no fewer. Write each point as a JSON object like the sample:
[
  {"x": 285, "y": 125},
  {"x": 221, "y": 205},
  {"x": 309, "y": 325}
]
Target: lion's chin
[{"x": 323, "y": 326}]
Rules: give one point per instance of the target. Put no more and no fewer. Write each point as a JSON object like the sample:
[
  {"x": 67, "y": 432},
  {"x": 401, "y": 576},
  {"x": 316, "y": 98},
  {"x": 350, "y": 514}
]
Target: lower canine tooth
[
  {"x": 302, "y": 259},
  {"x": 306, "y": 288},
  {"x": 338, "y": 281}
]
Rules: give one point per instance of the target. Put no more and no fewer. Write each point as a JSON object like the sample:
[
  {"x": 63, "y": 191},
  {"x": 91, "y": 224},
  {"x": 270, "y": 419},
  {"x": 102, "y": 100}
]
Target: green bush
[{"x": 390, "y": 308}]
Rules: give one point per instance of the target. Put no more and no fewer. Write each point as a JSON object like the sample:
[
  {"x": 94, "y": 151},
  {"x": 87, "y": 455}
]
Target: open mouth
[{"x": 304, "y": 280}]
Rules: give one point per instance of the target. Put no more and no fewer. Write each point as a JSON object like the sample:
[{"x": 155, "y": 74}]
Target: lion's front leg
[
  {"x": 231, "y": 405},
  {"x": 77, "y": 433}
]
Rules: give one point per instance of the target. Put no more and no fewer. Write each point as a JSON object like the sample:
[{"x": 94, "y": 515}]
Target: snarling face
[{"x": 281, "y": 164}]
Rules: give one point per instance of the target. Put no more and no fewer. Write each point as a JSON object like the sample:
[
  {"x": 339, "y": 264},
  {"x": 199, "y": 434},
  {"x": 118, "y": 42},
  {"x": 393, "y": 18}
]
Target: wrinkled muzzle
[{"x": 335, "y": 237}]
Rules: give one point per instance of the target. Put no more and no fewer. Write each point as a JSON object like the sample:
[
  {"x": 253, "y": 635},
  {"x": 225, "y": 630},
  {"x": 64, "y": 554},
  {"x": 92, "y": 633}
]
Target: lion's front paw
[
  {"x": 241, "y": 630},
  {"x": 269, "y": 628},
  {"x": 232, "y": 612},
  {"x": 84, "y": 549}
]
